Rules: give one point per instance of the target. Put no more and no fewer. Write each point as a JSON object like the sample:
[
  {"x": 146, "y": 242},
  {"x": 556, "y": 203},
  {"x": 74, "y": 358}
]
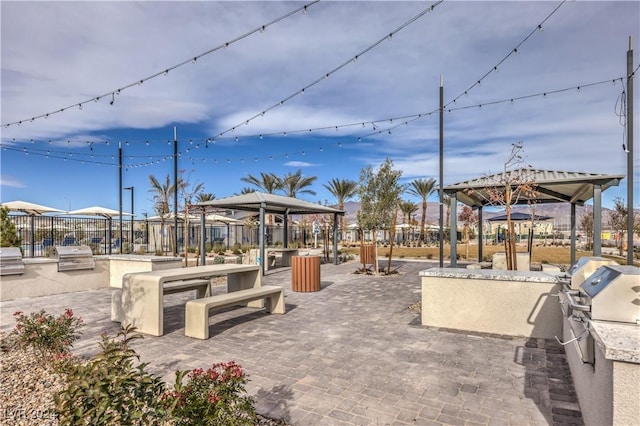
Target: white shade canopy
[
  {"x": 210, "y": 217},
  {"x": 29, "y": 208},
  {"x": 97, "y": 211}
]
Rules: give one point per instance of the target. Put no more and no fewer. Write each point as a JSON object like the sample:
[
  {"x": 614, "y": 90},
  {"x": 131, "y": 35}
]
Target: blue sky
[{"x": 61, "y": 54}]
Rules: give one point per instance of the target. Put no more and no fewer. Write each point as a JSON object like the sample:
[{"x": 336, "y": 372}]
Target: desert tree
[
  {"x": 422, "y": 188},
  {"x": 8, "y": 234},
  {"x": 342, "y": 189},
  {"x": 468, "y": 218},
  {"x": 618, "y": 222},
  {"x": 514, "y": 185},
  {"x": 379, "y": 192},
  {"x": 586, "y": 225}
]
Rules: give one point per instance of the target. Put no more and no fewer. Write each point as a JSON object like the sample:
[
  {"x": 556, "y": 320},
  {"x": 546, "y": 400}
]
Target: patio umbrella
[
  {"x": 97, "y": 211},
  {"x": 32, "y": 210},
  {"x": 104, "y": 212}
]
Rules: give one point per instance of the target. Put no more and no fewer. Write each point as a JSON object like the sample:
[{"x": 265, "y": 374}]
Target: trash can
[
  {"x": 367, "y": 254},
  {"x": 305, "y": 273}
]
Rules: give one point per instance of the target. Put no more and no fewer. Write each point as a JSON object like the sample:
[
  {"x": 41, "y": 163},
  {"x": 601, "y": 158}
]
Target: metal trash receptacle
[{"x": 305, "y": 273}]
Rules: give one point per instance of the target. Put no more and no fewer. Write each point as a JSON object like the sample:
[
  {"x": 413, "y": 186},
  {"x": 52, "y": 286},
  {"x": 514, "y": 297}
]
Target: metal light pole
[
  {"x": 146, "y": 231},
  {"x": 131, "y": 188}
]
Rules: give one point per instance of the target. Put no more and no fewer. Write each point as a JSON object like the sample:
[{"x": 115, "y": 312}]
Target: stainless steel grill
[
  {"x": 583, "y": 268},
  {"x": 11, "y": 261},
  {"x": 73, "y": 258},
  {"x": 611, "y": 293}
]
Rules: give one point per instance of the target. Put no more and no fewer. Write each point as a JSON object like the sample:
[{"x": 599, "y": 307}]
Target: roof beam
[{"x": 553, "y": 194}]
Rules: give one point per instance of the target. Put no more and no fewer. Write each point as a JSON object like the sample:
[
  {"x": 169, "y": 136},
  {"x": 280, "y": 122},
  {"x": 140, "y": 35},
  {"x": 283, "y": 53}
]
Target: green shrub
[
  {"x": 239, "y": 260},
  {"x": 219, "y": 248},
  {"x": 48, "y": 335},
  {"x": 211, "y": 397},
  {"x": 218, "y": 260},
  {"x": 110, "y": 389}
]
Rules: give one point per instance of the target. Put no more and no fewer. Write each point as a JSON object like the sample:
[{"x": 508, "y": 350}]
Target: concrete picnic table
[{"x": 142, "y": 292}]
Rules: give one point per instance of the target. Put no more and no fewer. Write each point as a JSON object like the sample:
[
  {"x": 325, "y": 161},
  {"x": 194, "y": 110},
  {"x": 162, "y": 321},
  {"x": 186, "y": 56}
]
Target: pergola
[
  {"x": 263, "y": 203},
  {"x": 552, "y": 186}
]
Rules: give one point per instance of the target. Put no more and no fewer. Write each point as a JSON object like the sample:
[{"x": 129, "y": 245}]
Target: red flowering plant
[
  {"x": 215, "y": 396},
  {"x": 49, "y": 335}
]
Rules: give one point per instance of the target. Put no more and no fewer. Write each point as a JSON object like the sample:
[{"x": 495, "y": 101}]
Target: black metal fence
[{"x": 40, "y": 234}]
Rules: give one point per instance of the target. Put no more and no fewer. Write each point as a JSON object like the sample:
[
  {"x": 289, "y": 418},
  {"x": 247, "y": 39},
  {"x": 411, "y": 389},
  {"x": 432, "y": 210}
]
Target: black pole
[
  {"x": 175, "y": 192},
  {"x": 131, "y": 188},
  {"x": 120, "y": 188},
  {"x": 630, "y": 215},
  {"x": 440, "y": 189}
]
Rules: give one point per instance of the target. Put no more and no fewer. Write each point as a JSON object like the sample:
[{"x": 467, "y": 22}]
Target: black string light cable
[
  {"x": 399, "y": 121},
  {"x": 326, "y": 75},
  {"x": 112, "y": 94},
  {"x": 497, "y": 102},
  {"x": 513, "y": 51}
]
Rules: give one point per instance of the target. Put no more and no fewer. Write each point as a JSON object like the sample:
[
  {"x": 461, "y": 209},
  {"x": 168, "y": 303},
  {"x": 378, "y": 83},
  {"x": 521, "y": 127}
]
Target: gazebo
[
  {"x": 552, "y": 186},
  {"x": 263, "y": 203}
]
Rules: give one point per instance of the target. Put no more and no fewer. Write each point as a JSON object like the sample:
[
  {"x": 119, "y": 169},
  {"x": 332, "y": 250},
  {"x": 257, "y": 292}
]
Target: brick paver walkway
[{"x": 352, "y": 354}]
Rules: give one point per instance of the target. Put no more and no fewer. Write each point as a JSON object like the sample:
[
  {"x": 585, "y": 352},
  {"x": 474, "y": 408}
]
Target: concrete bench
[
  {"x": 201, "y": 286},
  {"x": 196, "y": 317},
  {"x": 141, "y": 303}
]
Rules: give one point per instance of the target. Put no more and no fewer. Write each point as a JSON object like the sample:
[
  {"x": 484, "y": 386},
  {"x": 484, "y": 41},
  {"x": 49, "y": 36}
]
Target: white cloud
[{"x": 10, "y": 181}]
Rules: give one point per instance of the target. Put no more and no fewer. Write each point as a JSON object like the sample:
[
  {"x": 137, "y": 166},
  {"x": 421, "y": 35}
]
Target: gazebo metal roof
[
  {"x": 271, "y": 203},
  {"x": 552, "y": 186}
]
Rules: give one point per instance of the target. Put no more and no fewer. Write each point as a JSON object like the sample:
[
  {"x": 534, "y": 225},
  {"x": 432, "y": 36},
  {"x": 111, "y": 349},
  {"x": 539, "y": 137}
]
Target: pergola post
[
  {"x": 203, "y": 236},
  {"x": 453, "y": 225},
  {"x": 572, "y": 257},
  {"x": 335, "y": 238},
  {"x": 480, "y": 234},
  {"x": 285, "y": 224},
  {"x": 261, "y": 250},
  {"x": 597, "y": 220}
]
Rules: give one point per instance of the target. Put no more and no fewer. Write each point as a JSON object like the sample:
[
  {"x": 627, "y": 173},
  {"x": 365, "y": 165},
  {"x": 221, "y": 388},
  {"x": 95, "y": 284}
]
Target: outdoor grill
[
  {"x": 611, "y": 293},
  {"x": 74, "y": 258},
  {"x": 11, "y": 261},
  {"x": 583, "y": 268}
]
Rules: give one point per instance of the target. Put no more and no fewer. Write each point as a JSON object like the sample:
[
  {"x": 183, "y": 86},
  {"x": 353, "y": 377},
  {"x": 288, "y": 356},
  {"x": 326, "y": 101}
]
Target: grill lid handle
[{"x": 575, "y": 305}]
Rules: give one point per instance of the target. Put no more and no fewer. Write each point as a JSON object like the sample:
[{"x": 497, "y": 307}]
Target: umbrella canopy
[
  {"x": 211, "y": 217},
  {"x": 518, "y": 217},
  {"x": 31, "y": 209},
  {"x": 97, "y": 211}
]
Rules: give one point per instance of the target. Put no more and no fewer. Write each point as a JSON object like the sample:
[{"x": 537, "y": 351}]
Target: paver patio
[{"x": 351, "y": 354}]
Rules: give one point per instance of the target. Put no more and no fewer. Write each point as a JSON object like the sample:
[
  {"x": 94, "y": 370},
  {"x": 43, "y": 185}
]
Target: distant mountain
[{"x": 561, "y": 212}]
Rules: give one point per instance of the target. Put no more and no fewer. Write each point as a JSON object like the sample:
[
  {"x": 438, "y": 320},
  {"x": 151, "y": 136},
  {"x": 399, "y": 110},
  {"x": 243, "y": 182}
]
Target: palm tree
[
  {"x": 294, "y": 183},
  {"x": 407, "y": 208},
  {"x": 205, "y": 196},
  {"x": 422, "y": 188},
  {"x": 245, "y": 190},
  {"x": 268, "y": 182},
  {"x": 342, "y": 189},
  {"x": 163, "y": 194}
]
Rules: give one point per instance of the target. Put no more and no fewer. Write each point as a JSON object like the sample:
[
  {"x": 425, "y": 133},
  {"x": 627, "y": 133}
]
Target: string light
[
  {"x": 166, "y": 70},
  {"x": 406, "y": 120},
  {"x": 339, "y": 67},
  {"x": 515, "y": 50}
]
